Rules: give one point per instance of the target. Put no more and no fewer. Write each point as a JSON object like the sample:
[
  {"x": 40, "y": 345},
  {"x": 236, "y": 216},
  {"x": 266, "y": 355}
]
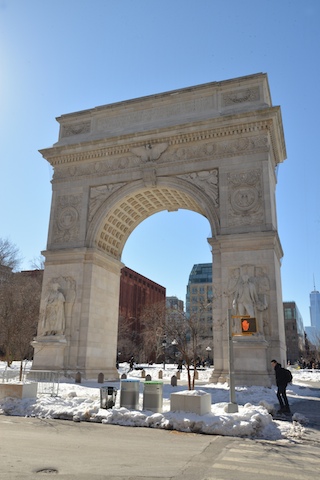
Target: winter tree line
[{"x": 19, "y": 304}]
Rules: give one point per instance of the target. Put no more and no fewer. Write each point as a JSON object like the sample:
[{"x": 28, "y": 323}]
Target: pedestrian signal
[{"x": 248, "y": 326}]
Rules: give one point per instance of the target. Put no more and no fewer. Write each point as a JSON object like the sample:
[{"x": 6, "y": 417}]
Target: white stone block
[
  {"x": 19, "y": 390},
  {"x": 194, "y": 401}
]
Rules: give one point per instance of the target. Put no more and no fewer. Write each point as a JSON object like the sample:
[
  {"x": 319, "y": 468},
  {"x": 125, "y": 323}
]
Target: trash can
[
  {"x": 152, "y": 396},
  {"x": 129, "y": 394},
  {"x": 107, "y": 397}
]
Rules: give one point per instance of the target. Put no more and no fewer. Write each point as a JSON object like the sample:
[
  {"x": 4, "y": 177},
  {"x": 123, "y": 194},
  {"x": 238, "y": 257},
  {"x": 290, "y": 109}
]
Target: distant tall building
[
  {"x": 294, "y": 331},
  {"x": 199, "y": 296},
  {"x": 313, "y": 332},
  {"x": 315, "y": 309},
  {"x": 174, "y": 303}
]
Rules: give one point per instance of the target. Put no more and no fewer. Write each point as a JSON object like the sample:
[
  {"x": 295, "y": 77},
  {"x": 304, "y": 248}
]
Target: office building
[
  {"x": 199, "y": 297},
  {"x": 294, "y": 332},
  {"x": 313, "y": 332},
  {"x": 174, "y": 303}
]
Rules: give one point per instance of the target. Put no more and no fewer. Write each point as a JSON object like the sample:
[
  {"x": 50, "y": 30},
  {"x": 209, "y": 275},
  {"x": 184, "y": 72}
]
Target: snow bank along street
[{"x": 81, "y": 402}]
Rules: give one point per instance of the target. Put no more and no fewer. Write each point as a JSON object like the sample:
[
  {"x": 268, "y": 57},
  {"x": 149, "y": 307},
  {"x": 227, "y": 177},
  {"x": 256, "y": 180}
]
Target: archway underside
[{"x": 128, "y": 213}]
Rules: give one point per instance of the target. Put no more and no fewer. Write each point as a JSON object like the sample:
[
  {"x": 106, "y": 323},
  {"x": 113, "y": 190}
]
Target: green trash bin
[
  {"x": 108, "y": 397},
  {"x": 153, "y": 396},
  {"x": 129, "y": 394}
]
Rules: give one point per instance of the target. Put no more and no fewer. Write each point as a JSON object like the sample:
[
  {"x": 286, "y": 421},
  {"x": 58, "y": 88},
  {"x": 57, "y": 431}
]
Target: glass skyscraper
[
  {"x": 199, "y": 296},
  {"x": 313, "y": 332}
]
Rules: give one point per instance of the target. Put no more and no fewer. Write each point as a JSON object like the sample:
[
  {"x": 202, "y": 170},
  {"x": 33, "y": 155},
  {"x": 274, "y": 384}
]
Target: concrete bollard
[
  {"x": 178, "y": 375},
  {"x": 143, "y": 373},
  {"x": 173, "y": 381},
  {"x": 160, "y": 374},
  {"x": 100, "y": 378},
  {"x": 148, "y": 378},
  {"x": 196, "y": 375}
]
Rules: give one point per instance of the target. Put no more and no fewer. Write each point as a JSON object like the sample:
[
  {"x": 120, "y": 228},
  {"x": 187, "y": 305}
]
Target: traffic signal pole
[{"x": 232, "y": 406}]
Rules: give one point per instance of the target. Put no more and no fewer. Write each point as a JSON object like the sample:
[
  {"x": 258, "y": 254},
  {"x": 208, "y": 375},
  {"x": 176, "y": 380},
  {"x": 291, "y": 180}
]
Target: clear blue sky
[{"x": 62, "y": 56}]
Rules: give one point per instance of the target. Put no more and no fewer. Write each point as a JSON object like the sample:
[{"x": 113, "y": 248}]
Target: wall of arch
[{"x": 212, "y": 149}]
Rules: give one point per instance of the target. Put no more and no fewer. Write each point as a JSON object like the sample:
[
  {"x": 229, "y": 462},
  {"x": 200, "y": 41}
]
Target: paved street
[{"x": 39, "y": 449}]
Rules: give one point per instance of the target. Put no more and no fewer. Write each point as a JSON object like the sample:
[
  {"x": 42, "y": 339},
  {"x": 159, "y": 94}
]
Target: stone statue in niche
[
  {"x": 248, "y": 287},
  {"x": 54, "y": 321},
  {"x": 58, "y": 304}
]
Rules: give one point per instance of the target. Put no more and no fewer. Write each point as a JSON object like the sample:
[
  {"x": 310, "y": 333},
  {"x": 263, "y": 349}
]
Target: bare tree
[
  {"x": 19, "y": 312},
  {"x": 129, "y": 338},
  {"x": 9, "y": 255},
  {"x": 153, "y": 322},
  {"x": 188, "y": 333},
  {"x": 312, "y": 350},
  {"x": 37, "y": 263}
]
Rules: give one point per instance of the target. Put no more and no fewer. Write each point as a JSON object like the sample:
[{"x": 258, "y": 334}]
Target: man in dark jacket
[{"x": 281, "y": 381}]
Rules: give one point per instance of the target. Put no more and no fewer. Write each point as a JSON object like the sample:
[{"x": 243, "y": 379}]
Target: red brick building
[{"x": 136, "y": 292}]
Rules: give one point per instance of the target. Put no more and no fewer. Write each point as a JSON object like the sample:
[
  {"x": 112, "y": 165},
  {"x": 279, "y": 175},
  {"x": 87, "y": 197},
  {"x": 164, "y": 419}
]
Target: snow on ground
[{"x": 81, "y": 402}]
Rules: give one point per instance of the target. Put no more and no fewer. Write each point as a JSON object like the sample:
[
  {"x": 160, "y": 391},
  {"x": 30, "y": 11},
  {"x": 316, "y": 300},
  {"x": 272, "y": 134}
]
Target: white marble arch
[{"x": 213, "y": 149}]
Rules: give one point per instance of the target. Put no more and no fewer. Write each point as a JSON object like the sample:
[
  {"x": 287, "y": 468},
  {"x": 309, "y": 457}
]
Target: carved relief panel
[
  {"x": 245, "y": 205},
  {"x": 66, "y": 221}
]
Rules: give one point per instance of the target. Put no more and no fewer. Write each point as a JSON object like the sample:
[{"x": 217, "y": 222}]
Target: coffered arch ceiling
[{"x": 115, "y": 226}]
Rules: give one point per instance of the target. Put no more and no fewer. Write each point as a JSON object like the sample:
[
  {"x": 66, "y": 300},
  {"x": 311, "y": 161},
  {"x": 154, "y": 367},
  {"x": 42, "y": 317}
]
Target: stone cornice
[
  {"x": 268, "y": 240},
  {"x": 268, "y": 120}
]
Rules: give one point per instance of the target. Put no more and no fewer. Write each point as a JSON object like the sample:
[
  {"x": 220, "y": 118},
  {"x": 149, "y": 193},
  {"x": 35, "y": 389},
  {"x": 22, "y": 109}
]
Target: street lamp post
[
  {"x": 174, "y": 343},
  {"x": 232, "y": 406},
  {"x": 164, "y": 344},
  {"x": 208, "y": 350}
]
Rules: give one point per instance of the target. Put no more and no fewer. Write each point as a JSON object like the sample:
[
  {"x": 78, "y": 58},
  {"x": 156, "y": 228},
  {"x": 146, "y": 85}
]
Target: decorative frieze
[{"x": 162, "y": 153}]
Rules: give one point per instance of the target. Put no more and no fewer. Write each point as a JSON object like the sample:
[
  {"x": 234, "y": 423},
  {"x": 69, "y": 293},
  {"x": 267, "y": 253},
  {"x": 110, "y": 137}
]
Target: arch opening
[{"x": 126, "y": 214}]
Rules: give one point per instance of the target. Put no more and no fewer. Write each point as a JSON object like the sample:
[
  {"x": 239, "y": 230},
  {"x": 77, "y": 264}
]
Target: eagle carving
[{"x": 150, "y": 153}]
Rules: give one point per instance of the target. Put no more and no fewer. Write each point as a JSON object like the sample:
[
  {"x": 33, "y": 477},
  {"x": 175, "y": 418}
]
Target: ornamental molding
[
  {"x": 178, "y": 153},
  {"x": 57, "y": 156}
]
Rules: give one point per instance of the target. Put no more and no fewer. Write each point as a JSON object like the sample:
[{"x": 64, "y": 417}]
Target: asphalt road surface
[{"x": 42, "y": 449}]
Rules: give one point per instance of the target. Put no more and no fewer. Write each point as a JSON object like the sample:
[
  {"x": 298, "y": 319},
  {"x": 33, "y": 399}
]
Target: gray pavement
[{"x": 38, "y": 449}]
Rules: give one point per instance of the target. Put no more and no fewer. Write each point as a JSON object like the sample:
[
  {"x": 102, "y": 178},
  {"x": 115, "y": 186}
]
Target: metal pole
[{"x": 232, "y": 406}]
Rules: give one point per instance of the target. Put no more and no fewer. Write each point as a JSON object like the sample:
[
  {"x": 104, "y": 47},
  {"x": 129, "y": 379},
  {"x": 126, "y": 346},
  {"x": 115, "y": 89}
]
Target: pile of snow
[{"x": 81, "y": 402}]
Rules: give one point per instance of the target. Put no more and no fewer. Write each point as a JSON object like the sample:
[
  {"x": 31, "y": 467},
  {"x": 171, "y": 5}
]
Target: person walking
[{"x": 282, "y": 382}]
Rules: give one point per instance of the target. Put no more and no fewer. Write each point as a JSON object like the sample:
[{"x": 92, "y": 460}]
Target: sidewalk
[{"x": 309, "y": 407}]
